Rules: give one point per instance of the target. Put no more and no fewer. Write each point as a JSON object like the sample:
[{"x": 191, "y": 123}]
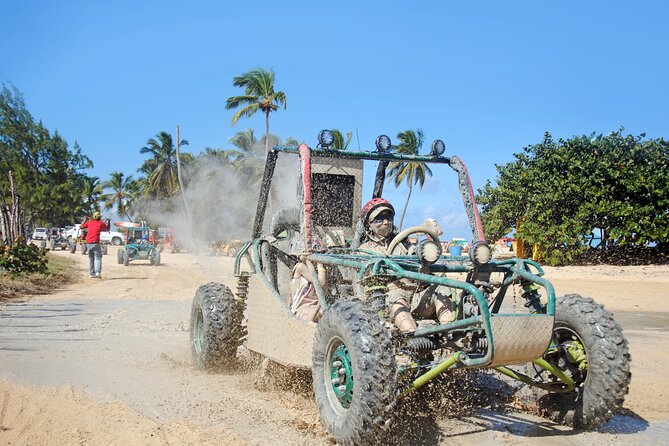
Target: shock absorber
[
  {"x": 242, "y": 287},
  {"x": 376, "y": 296},
  {"x": 533, "y": 298}
]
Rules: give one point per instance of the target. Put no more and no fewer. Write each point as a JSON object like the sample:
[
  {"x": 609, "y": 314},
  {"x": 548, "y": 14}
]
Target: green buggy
[{"x": 569, "y": 350}]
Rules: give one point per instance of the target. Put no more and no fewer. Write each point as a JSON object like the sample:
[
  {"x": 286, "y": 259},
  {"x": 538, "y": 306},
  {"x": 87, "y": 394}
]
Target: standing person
[
  {"x": 94, "y": 227},
  {"x": 434, "y": 302}
]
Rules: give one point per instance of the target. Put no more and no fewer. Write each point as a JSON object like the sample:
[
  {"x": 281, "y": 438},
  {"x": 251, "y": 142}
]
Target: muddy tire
[
  {"x": 84, "y": 249},
  {"x": 215, "y": 327},
  {"x": 354, "y": 348},
  {"x": 155, "y": 260},
  {"x": 105, "y": 249},
  {"x": 52, "y": 245},
  {"x": 126, "y": 258},
  {"x": 602, "y": 386},
  {"x": 119, "y": 256},
  {"x": 73, "y": 247}
]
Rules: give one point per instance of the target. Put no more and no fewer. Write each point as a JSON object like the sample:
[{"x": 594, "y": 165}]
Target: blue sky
[{"x": 486, "y": 77}]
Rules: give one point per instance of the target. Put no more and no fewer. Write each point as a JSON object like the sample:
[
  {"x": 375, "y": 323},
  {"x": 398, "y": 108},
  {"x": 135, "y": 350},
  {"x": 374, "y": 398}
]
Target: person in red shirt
[{"x": 94, "y": 227}]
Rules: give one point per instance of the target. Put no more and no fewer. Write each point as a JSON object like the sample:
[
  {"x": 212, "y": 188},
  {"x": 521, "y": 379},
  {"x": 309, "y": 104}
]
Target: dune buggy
[
  {"x": 57, "y": 239},
  {"x": 139, "y": 246},
  {"x": 569, "y": 349}
]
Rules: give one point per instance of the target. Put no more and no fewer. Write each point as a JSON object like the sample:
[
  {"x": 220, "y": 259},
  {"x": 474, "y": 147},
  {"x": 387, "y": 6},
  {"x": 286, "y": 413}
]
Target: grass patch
[{"x": 60, "y": 272}]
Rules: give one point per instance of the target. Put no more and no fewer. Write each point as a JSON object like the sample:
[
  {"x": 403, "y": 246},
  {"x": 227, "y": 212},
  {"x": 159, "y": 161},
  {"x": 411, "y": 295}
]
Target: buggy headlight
[
  {"x": 438, "y": 147},
  {"x": 428, "y": 251},
  {"x": 480, "y": 253},
  {"x": 383, "y": 143},
  {"x": 325, "y": 138}
]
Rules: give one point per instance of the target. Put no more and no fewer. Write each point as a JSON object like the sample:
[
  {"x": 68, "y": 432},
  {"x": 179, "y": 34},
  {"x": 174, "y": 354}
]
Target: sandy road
[{"x": 108, "y": 362}]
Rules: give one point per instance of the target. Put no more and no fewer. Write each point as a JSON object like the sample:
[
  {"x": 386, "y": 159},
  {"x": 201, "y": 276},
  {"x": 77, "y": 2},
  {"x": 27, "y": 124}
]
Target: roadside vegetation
[
  {"x": 556, "y": 193},
  {"x": 57, "y": 272}
]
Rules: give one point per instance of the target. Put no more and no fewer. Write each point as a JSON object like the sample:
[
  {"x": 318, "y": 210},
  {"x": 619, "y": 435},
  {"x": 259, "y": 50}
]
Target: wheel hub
[
  {"x": 341, "y": 375},
  {"x": 198, "y": 333}
]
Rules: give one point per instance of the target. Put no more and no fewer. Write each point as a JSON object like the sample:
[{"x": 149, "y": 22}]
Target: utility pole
[{"x": 181, "y": 184}]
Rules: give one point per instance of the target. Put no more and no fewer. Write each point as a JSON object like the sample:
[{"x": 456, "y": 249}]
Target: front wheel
[
  {"x": 354, "y": 374},
  {"x": 215, "y": 327},
  {"x": 588, "y": 345},
  {"x": 126, "y": 258},
  {"x": 119, "y": 256}
]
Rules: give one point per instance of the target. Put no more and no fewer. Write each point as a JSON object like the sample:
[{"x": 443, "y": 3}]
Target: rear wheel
[
  {"x": 232, "y": 252},
  {"x": 215, "y": 327},
  {"x": 116, "y": 241},
  {"x": 589, "y": 346},
  {"x": 354, "y": 374}
]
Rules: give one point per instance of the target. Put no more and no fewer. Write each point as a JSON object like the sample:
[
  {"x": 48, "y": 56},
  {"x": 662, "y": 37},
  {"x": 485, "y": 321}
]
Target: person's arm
[{"x": 302, "y": 270}]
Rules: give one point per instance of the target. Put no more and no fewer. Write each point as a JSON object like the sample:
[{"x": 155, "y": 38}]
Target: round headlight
[
  {"x": 325, "y": 138},
  {"x": 438, "y": 147},
  {"x": 383, "y": 143},
  {"x": 428, "y": 251},
  {"x": 480, "y": 253}
]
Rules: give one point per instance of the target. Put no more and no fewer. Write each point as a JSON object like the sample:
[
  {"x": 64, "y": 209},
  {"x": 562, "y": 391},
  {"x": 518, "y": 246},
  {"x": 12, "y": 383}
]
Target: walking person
[{"x": 94, "y": 227}]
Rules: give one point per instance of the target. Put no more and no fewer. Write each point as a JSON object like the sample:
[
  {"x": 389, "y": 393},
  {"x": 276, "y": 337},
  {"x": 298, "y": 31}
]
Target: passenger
[
  {"x": 434, "y": 302},
  {"x": 304, "y": 301}
]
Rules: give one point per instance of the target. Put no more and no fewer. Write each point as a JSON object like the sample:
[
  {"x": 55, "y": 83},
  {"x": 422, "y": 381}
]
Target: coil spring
[
  {"x": 242, "y": 286},
  {"x": 376, "y": 297},
  {"x": 481, "y": 343},
  {"x": 421, "y": 344}
]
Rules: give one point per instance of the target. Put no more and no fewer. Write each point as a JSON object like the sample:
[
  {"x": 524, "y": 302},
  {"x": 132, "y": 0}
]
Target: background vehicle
[
  {"x": 167, "y": 240},
  {"x": 570, "y": 350},
  {"x": 228, "y": 248},
  {"x": 40, "y": 234},
  {"x": 140, "y": 246},
  {"x": 75, "y": 237},
  {"x": 57, "y": 239}
]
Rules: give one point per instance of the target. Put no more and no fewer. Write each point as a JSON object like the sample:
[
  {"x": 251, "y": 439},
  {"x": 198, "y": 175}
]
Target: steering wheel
[{"x": 407, "y": 232}]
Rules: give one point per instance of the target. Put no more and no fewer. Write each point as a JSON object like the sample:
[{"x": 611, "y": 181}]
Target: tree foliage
[
  {"x": 560, "y": 191},
  {"x": 48, "y": 175},
  {"x": 259, "y": 95}
]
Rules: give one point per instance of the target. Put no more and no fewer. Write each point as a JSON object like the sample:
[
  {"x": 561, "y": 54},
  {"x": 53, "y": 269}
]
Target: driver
[{"x": 432, "y": 301}]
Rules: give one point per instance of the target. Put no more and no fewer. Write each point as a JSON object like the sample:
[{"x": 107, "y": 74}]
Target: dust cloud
[{"x": 222, "y": 198}]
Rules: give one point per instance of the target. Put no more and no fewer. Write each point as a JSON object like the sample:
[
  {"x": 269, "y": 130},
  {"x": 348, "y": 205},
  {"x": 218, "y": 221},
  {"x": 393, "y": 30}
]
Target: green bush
[{"x": 23, "y": 258}]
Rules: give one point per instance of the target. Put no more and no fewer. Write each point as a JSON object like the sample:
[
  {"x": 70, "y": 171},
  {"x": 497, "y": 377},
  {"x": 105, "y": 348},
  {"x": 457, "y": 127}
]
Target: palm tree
[
  {"x": 91, "y": 194},
  {"x": 339, "y": 143},
  {"x": 259, "y": 94},
  {"x": 161, "y": 168},
  {"x": 411, "y": 172},
  {"x": 123, "y": 191}
]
